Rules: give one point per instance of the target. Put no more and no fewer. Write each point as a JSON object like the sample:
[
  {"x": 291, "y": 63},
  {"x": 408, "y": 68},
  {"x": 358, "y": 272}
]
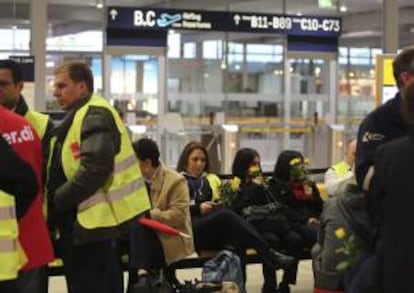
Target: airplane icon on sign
[{"x": 168, "y": 19}]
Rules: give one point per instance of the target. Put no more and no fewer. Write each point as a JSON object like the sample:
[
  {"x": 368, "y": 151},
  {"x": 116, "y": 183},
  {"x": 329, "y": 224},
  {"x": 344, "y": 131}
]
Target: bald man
[{"x": 341, "y": 171}]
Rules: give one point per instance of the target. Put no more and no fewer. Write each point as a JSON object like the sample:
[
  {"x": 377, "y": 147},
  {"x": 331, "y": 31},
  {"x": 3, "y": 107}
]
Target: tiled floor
[{"x": 254, "y": 279}]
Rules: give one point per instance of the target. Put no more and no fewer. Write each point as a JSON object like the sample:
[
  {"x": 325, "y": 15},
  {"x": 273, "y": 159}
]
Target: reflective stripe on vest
[
  {"x": 124, "y": 195},
  {"x": 9, "y": 255},
  {"x": 7, "y": 213},
  {"x": 38, "y": 121},
  {"x": 8, "y": 245},
  {"x": 112, "y": 196},
  {"x": 341, "y": 168}
]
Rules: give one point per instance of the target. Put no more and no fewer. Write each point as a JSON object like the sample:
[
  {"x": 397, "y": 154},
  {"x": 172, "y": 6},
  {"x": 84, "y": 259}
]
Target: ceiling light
[
  {"x": 230, "y": 127},
  {"x": 99, "y": 4},
  {"x": 343, "y": 8}
]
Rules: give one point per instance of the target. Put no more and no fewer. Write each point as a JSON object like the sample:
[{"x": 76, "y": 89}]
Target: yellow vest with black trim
[
  {"x": 124, "y": 195},
  {"x": 341, "y": 168},
  {"x": 10, "y": 261},
  {"x": 38, "y": 121}
]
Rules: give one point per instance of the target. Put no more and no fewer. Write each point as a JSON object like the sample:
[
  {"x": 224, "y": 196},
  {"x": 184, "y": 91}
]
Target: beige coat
[{"x": 170, "y": 200}]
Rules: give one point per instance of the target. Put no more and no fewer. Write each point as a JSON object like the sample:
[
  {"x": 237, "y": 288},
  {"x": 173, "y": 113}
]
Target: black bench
[{"x": 197, "y": 262}]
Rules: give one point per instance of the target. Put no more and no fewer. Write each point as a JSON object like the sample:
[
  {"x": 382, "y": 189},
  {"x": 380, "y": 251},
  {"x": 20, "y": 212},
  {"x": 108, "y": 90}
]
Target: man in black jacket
[
  {"x": 391, "y": 201},
  {"x": 12, "y": 99},
  {"x": 384, "y": 123},
  {"x": 88, "y": 254},
  {"x": 94, "y": 179}
]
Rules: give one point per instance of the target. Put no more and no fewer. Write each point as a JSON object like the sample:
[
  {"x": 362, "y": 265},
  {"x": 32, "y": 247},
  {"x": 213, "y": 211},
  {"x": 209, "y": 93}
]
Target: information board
[{"x": 384, "y": 77}]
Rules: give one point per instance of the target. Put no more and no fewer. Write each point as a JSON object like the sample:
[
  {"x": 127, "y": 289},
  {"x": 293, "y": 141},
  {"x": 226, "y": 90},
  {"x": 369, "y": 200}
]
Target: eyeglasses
[{"x": 5, "y": 83}]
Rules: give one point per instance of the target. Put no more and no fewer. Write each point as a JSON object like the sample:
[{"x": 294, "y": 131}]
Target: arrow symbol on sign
[
  {"x": 113, "y": 13},
  {"x": 237, "y": 19}
]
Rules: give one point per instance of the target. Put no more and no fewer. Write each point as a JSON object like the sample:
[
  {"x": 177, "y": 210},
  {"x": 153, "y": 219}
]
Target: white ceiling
[{"x": 361, "y": 23}]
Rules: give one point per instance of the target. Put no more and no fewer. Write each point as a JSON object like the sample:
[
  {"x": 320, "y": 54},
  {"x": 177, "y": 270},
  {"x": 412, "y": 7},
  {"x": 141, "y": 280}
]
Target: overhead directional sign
[
  {"x": 290, "y": 25},
  {"x": 130, "y": 18},
  {"x": 127, "y": 18}
]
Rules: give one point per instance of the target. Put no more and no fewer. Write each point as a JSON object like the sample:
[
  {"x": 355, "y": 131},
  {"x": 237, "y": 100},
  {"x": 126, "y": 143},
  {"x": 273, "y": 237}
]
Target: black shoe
[
  {"x": 280, "y": 261},
  {"x": 142, "y": 285},
  {"x": 269, "y": 289},
  {"x": 283, "y": 288}
]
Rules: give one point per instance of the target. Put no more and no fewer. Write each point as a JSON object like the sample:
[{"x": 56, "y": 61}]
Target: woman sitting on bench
[
  {"x": 254, "y": 192},
  {"x": 214, "y": 226},
  {"x": 152, "y": 251},
  {"x": 291, "y": 186}
]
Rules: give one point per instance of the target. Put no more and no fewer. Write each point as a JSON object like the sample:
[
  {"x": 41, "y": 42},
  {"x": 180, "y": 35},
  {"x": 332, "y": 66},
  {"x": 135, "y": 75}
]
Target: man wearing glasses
[{"x": 11, "y": 86}]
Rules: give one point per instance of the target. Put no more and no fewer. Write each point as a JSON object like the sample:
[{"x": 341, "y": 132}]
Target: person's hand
[
  {"x": 206, "y": 207},
  {"x": 313, "y": 222},
  {"x": 217, "y": 204},
  {"x": 259, "y": 180},
  {"x": 308, "y": 190}
]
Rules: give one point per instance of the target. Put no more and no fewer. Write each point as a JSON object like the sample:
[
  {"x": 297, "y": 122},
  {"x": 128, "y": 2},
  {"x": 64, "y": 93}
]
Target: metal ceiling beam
[{"x": 71, "y": 19}]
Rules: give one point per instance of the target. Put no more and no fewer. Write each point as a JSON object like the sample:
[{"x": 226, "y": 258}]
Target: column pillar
[
  {"x": 390, "y": 26},
  {"x": 287, "y": 91},
  {"x": 333, "y": 91},
  {"x": 38, "y": 34}
]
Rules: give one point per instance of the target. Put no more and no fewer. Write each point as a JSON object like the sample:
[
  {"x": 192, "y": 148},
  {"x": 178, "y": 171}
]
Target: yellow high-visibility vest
[
  {"x": 341, "y": 168},
  {"x": 38, "y": 121},
  {"x": 10, "y": 259},
  {"x": 124, "y": 195}
]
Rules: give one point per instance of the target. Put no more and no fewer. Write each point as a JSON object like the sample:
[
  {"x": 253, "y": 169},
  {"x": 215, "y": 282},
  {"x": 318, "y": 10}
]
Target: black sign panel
[
  {"x": 26, "y": 65},
  {"x": 312, "y": 44},
  {"x": 134, "y": 37},
  {"x": 129, "y": 18},
  {"x": 287, "y": 24}
]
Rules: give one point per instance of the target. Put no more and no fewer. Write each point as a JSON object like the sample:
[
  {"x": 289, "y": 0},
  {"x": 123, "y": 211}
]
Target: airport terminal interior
[{"x": 263, "y": 74}]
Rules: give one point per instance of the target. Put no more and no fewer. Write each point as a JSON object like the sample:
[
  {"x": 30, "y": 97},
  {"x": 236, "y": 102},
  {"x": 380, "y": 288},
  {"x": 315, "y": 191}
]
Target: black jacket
[
  {"x": 250, "y": 195},
  {"x": 21, "y": 109},
  {"x": 200, "y": 191},
  {"x": 297, "y": 212},
  {"x": 17, "y": 178},
  {"x": 380, "y": 126},
  {"x": 100, "y": 144},
  {"x": 391, "y": 200}
]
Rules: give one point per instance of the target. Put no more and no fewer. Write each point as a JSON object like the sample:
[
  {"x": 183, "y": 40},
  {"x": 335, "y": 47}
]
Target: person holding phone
[{"x": 215, "y": 227}]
